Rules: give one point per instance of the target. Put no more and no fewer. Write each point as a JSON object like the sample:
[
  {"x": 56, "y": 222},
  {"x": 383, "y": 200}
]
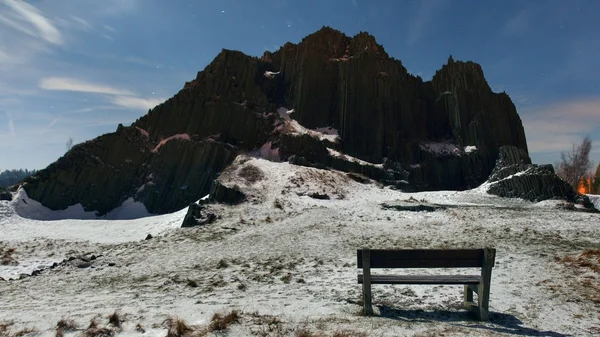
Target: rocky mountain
[{"x": 291, "y": 104}]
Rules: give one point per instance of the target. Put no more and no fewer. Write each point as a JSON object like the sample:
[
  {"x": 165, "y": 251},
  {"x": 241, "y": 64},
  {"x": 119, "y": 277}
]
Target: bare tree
[
  {"x": 575, "y": 165},
  {"x": 69, "y": 144}
]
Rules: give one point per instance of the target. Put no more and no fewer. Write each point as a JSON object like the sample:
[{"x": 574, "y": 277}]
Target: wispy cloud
[
  {"x": 132, "y": 102},
  {"x": 517, "y": 24},
  {"x": 29, "y": 20},
  {"x": 557, "y": 127},
  {"x": 72, "y": 84},
  {"x": 109, "y": 28},
  {"x": 117, "y": 96},
  {"x": 422, "y": 20}
]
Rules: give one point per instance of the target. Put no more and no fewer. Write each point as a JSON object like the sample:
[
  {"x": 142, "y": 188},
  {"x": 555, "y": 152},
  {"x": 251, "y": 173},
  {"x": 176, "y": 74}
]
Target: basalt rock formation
[
  {"x": 440, "y": 134},
  {"x": 516, "y": 177}
]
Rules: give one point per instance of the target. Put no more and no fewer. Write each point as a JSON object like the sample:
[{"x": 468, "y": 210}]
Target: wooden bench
[{"x": 430, "y": 258}]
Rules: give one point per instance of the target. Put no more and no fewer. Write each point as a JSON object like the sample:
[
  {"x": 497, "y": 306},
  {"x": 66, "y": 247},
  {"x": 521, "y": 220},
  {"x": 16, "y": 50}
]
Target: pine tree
[{"x": 596, "y": 183}]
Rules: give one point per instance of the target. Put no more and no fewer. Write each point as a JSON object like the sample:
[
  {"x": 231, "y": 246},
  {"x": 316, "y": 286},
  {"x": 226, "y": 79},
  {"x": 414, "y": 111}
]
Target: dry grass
[
  {"x": 99, "y": 332},
  {"x": 177, "y": 327},
  {"x": 251, "y": 173},
  {"x": 342, "y": 333},
  {"x": 65, "y": 324},
  {"x": 6, "y": 330},
  {"x": 7, "y": 256},
  {"x": 587, "y": 262},
  {"x": 115, "y": 320},
  {"x": 221, "y": 322}
]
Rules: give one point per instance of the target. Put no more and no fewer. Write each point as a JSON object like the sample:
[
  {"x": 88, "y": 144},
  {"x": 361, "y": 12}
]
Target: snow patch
[
  {"x": 266, "y": 152},
  {"x": 346, "y": 157},
  {"x": 323, "y": 133},
  {"x": 595, "y": 199},
  {"x": 33, "y": 209},
  {"x": 183, "y": 136},
  {"x": 470, "y": 148},
  {"x": 441, "y": 148},
  {"x": 143, "y": 132},
  {"x": 271, "y": 74}
]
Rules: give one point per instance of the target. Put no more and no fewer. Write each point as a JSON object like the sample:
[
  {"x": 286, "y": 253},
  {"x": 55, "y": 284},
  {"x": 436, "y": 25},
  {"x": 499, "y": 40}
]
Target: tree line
[{"x": 11, "y": 177}]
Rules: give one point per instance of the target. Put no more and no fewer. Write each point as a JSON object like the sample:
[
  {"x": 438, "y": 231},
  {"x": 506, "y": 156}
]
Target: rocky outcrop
[
  {"x": 197, "y": 216},
  {"x": 225, "y": 194},
  {"x": 442, "y": 134},
  {"x": 516, "y": 177},
  {"x": 5, "y": 194}
]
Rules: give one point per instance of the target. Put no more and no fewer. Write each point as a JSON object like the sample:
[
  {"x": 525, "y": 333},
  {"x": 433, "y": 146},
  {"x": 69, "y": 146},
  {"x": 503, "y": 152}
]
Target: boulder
[
  {"x": 196, "y": 216},
  {"x": 5, "y": 195},
  {"x": 515, "y": 177},
  {"x": 226, "y": 194}
]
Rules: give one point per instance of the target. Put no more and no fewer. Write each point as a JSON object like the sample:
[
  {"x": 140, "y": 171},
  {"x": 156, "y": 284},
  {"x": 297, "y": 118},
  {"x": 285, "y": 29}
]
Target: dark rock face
[
  {"x": 515, "y": 177},
  {"x": 5, "y": 195},
  {"x": 196, "y": 216},
  {"x": 225, "y": 194},
  {"x": 169, "y": 157}
]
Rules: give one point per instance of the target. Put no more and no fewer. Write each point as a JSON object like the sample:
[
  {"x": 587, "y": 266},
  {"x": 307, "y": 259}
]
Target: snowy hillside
[{"x": 286, "y": 262}]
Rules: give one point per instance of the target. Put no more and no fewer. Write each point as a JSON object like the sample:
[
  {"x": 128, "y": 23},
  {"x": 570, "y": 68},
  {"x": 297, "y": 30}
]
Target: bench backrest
[{"x": 426, "y": 258}]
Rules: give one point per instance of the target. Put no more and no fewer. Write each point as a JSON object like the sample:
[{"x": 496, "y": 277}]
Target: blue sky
[{"x": 78, "y": 68}]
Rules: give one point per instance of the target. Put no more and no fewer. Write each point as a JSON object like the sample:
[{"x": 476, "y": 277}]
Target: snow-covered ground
[{"x": 287, "y": 262}]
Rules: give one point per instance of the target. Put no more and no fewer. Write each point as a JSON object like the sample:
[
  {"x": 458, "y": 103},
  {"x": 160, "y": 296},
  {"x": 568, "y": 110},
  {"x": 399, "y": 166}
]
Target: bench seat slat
[{"x": 423, "y": 279}]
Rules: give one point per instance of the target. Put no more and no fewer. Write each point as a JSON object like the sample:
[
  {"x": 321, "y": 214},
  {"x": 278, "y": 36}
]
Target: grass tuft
[
  {"x": 177, "y": 327},
  {"x": 221, "y": 322},
  {"x": 115, "y": 320}
]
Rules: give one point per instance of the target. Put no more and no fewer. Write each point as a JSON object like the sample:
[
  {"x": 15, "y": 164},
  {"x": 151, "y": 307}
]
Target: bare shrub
[
  {"x": 221, "y": 322},
  {"x": 251, "y": 173},
  {"x": 176, "y": 327},
  {"x": 575, "y": 165}
]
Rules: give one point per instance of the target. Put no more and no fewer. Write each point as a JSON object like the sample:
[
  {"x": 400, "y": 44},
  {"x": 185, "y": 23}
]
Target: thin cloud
[
  {"x": 556, "y": 128},
  {"x": 29, "y": 20},
  {"x": 72, "y": 84},
  {"x": 82, "y": 23},
  {"x": 517, "y": 24},
  {"x": 109, "y": 28},
  {"x": 423, "y": 19},
  {"x": 132, "y": 102}
]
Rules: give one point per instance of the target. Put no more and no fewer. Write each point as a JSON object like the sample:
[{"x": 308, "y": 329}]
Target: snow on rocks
[
  {"x": 271, "y": 74},
  {"x": 346, "y": 157},
  {"x": 143, "y": 132},
  {"x": 182, "y": 136},
  {"x": 285, "y": 258},
  {"x": 290, "y": 125},
  {"x": 446, "y": 149},
  {"x": 33, "y": 209}
]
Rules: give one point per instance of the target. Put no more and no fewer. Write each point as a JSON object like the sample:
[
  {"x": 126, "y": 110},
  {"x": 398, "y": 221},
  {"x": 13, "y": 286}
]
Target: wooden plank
[
  {"x": 474, "y": 288},
  {"x": 484, "y": 286},
  {"x": 423, "y": 258},
  {"x": 422, "y": 279},
  {"x": 367, "y": 306}
]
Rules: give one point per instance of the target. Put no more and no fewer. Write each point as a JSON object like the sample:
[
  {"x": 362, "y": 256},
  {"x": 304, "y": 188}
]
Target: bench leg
[
  {"x": 468, "y": 296},
  {"x": 483, "y": 293},
  {"x": 367, "y": 306}
]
